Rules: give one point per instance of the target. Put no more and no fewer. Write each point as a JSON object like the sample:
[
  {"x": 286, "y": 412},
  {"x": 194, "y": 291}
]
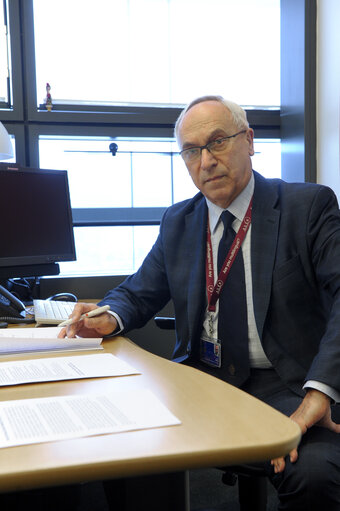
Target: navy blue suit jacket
[{"x": 295, "y": 257}]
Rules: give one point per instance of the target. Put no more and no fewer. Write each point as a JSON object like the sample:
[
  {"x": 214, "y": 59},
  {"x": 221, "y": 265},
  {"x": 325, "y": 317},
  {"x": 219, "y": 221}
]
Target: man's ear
[{"x": 250, "y": 139}]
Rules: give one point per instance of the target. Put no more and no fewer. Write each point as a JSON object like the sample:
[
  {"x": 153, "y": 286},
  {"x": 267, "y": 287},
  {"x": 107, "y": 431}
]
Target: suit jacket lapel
[
  {"x": 264, "y": 235},
  {"x": 195, "y": 224}
]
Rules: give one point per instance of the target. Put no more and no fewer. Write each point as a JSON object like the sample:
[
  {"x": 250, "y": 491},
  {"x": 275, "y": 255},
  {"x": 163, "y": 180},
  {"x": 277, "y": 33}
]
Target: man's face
[{"x": 221, "y": 176}]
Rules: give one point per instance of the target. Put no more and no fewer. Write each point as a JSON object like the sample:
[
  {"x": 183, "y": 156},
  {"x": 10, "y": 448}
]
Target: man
[{"x": 286, "y": 256}]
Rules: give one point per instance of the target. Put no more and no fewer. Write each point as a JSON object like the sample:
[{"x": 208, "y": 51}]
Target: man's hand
[
  {"x": 315, "y": 410},
  {"x": 98, "y": 326}
]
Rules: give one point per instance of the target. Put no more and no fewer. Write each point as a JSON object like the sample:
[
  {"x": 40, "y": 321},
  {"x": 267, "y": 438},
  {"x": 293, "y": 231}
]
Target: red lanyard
[{"x": 214, "y": 291}]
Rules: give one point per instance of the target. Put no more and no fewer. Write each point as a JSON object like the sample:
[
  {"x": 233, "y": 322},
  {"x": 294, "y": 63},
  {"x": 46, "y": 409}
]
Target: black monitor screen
[{"x": 35, "y": 217}]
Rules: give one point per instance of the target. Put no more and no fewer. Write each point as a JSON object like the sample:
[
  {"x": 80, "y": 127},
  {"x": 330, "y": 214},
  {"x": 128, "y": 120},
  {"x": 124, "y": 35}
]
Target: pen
[{"x": 90, "y": 314}]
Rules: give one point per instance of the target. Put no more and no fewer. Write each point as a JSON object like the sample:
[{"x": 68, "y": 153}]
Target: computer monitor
[{"x": 36, "y": 221}]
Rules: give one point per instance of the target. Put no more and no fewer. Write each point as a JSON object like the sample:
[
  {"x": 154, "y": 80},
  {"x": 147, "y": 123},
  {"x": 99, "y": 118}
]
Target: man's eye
[
  {"x": 219, "y": 141},
  {"x": 192, "y": 151}
]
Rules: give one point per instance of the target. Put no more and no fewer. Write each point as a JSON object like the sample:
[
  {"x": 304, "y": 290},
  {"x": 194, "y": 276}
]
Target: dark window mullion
[{"x": 83, "y": 217}]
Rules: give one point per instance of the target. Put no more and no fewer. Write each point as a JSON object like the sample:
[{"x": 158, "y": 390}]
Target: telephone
[{"x": 12, "y": 310}]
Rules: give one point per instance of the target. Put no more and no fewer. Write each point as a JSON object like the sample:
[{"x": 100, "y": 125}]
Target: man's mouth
[{"x": 214, "y": 178}]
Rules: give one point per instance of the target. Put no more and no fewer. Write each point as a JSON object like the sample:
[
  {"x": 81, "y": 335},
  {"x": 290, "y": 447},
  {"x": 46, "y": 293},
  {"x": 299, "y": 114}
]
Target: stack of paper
[{"x": 26, "y": 340}]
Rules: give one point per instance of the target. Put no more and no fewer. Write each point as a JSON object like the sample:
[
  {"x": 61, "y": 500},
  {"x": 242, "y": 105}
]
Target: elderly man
[{"x": 259, "y": 309}]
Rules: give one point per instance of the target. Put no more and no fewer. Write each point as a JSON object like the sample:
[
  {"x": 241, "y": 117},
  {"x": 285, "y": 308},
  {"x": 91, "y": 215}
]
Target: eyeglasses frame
[{"x": 206, "y": 146}]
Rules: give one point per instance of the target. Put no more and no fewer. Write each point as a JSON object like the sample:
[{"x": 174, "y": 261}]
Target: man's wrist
[
  {"x": 119, "y": 326},
  {"x": 332, "y": 393}
]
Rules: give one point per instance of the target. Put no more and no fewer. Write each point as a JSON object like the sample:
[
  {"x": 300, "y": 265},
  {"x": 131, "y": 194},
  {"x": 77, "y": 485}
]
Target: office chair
[{"x": 252, "y": 484}]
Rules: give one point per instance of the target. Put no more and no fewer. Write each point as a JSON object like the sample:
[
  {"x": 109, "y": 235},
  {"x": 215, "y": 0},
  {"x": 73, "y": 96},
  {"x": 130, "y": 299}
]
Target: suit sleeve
[
  {"x": 142, "y": 294},
  {"x": 323, "y": 237}
]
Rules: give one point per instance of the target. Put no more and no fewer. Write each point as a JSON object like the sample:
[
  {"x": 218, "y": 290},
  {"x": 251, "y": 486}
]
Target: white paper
[
  {"x": 63, "y": 368},
  {"x": 30, "y": 421},
  {"x": 31, "y": 332},
  {"x": 26, "y": 340}
]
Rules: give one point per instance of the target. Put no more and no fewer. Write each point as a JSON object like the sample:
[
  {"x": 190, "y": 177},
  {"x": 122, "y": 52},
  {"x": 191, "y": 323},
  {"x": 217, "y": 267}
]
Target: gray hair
[{"x": 239, "y": 115}]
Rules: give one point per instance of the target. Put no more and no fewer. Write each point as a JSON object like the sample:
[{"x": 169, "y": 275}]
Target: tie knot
[{"x": 227, "y": 219}]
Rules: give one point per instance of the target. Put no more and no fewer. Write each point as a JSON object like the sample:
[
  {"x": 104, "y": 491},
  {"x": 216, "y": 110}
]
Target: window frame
[
  {"x": 129, "y": 116},
  {"x": 265, "y": 123},
  {"x": 14, "y": 109},
  {"x": 294, "y": 123}
]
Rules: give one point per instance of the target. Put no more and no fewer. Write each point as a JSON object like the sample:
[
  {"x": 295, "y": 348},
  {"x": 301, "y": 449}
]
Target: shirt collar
[{"x": 238, "y": 207}]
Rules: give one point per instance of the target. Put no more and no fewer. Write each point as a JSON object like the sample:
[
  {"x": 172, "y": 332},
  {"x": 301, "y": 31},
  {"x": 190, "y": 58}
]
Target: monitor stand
[{"x": 31, "y": 270}]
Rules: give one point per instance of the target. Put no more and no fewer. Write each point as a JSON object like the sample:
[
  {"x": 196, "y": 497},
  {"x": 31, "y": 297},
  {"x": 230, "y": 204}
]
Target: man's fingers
[
  {"x": 278, "y": 464},
  {"x": 293, "y": 455},
  {"x": 313, "y": 411},
  {"x": 104, "y": 324},
  {"x": 72, "y": 330},
  {"x": 62, "y": 333},
  {"x": 97, "y": 326}
]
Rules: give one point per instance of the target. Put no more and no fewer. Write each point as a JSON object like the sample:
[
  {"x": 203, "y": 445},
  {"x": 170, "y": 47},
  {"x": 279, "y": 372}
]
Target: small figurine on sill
[{"x": 48, "y": 99}]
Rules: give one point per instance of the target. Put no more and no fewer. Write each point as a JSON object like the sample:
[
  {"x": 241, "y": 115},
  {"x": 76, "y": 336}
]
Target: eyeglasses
[{"x": 215, "y": 147}]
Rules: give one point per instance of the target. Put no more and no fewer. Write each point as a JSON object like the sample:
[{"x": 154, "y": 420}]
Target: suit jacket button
[{"x": 231, "y": 369}]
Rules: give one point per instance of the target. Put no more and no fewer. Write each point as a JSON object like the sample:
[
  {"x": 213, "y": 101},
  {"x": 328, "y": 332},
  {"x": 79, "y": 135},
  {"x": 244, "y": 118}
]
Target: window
[
  {"x": 158, "y": 51},
  {"x": 122, "y": 77},
  {"x": 145, "y": 174}
]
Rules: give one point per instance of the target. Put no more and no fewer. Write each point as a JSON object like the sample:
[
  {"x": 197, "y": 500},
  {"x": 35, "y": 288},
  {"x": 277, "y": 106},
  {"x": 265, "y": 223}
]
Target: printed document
[
  {"x": 30, "y": 421},
  {"x": 70, "y": 367}
]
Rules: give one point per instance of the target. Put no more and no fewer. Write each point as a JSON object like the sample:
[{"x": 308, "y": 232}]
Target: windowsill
[{"x": 84, "y": 287}]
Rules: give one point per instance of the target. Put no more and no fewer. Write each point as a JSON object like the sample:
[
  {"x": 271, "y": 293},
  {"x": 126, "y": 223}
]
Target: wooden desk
[{"x": 221, "y": 425}]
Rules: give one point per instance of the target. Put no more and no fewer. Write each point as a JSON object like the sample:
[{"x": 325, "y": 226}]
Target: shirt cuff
[
  {"x": 325, "y": 389},
  {"x": 120, "y": 326}
]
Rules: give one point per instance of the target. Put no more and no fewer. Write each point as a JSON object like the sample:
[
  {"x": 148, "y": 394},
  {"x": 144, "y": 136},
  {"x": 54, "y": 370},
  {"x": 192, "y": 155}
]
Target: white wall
[{"x": 328, "y": 94}]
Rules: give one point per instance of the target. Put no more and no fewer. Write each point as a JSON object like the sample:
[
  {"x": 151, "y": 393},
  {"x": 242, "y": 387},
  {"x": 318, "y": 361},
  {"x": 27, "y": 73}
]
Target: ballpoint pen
[{"x": 90, "y": 314}]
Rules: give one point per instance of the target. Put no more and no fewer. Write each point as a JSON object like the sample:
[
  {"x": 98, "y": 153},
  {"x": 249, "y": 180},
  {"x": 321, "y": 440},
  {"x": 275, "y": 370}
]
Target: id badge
[{"x": 210, "y": 352}]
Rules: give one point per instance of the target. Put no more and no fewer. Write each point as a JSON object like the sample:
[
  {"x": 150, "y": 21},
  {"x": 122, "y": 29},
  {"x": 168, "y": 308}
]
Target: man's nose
[{"x": 207, "y": 159}]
